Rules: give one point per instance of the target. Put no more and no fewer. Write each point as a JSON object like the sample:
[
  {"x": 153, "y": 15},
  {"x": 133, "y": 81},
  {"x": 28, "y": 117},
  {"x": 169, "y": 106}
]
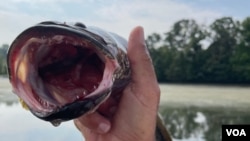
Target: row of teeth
[
  {"x": 80, "y": 93},
  {"x": 45, "y": 104}
]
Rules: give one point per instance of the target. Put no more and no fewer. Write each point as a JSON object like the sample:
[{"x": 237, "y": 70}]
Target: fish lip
[
  {"x": 67, "y": 30},
  {"x": 73, "y": 110}
]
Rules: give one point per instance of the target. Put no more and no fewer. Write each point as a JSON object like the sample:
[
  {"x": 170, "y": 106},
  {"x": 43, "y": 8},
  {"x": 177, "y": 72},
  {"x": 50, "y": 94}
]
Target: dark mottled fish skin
[{"x": 109, "y": 44}]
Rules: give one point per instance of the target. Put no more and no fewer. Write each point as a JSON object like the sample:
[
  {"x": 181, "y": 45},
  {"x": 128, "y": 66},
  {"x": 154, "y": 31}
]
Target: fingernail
[
  {"x": 141, "y": 34},
  {"x": 103, "y": 127},
  {"x": 142, "y": 39}
]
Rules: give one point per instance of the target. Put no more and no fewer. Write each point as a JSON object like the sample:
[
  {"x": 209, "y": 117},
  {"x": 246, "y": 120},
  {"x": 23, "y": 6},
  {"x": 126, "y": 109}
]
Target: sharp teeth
[
  {"x": 84, "y": 92},
  {"x": 65, "y": 97},
  {"x": 80, "y": 94}
]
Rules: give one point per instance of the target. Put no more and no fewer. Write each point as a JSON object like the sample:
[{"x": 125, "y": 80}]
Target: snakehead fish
[{"x": 61, "y": 71}]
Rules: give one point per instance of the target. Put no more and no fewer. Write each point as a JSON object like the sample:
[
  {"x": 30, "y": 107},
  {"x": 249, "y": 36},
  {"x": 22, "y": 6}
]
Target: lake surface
[{"x": 190, "y": 112}]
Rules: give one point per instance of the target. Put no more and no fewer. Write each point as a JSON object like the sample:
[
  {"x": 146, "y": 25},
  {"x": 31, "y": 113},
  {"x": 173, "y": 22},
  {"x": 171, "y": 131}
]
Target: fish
[{"x": 62, "y": 71}]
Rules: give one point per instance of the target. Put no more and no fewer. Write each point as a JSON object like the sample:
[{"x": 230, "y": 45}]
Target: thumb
[
  {"x": 144, "y": 80},
  {"x": 137, "y": 110}
]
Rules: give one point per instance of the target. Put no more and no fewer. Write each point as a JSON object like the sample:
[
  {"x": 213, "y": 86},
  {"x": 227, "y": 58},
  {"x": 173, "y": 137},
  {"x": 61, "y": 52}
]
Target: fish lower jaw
[{"x": 53, "y": 97}]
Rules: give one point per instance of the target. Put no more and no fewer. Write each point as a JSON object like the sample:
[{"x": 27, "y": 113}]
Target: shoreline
[
  {"x": 199, "y": 95},
  {"x": 205, "y": 95},
  {"x": 5, "y": 76}
]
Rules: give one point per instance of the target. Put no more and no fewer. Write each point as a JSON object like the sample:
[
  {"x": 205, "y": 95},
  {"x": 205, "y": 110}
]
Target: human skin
[{"x": 134, "y": 117}]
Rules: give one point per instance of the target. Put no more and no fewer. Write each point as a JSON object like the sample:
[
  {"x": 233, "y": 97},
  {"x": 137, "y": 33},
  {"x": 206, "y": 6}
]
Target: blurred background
[{"x": 200, "y": 50}]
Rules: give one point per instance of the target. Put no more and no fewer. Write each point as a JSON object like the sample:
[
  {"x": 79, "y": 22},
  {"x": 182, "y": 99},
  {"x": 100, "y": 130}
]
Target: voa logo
[{"x": 236, "y": 132}]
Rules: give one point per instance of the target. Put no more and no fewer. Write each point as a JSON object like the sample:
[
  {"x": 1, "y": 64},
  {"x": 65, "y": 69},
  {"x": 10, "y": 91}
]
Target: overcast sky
[{"x": 118, "y": 16}]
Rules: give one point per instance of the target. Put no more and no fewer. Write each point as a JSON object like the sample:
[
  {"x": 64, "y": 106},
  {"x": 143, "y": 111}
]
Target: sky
[{"x": 119, "y": 16}]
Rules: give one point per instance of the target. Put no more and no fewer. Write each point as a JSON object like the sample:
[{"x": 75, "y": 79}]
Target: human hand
[{"x": 134, "y": 117}]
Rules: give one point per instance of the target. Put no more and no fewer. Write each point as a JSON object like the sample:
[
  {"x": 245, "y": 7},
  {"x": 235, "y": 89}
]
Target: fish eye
[
  {"x": 49, "y": 22},
  {"x": 80, "y": 25}
]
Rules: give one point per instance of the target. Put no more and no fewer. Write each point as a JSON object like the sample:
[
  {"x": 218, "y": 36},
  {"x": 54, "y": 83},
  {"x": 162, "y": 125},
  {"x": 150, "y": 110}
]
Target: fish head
[{"x": 63, "y": 71}]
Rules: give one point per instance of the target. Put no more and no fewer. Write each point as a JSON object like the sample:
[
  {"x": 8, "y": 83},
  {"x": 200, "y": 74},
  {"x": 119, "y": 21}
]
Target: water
[
  {"x": 201, "y": 124},
  {"x": 196, "y": 112},
  {"x": 190, "y": 112},
  {"x": 18, "y": 124}
]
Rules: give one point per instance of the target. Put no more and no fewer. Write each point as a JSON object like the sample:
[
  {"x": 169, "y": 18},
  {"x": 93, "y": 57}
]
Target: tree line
[
  {"x": 194, "y": 53},
  {"x": 3, "y": 64}
]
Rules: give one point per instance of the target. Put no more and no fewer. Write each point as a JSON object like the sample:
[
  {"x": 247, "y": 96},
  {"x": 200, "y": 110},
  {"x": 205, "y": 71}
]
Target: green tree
[
  {"x": 3, "y": 60},
  {"x": 240, "y": 59},
  {"x": 184, "y": 39},
  {"x": 153, "y": 40},
  {"x": 225, "y": 34}
]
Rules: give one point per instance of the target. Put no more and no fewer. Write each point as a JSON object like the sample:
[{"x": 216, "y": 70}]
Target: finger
[
  {"x": 94, "y": 122},
  {"x": 139, "y": 57},
  {"x": 144, "y": 80},
  {"x": 108, "y": 108}
]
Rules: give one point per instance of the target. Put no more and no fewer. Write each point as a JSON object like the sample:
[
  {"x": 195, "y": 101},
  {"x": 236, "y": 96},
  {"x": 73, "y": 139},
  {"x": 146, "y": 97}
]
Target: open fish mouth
[{"x": 63, "y": 71}]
